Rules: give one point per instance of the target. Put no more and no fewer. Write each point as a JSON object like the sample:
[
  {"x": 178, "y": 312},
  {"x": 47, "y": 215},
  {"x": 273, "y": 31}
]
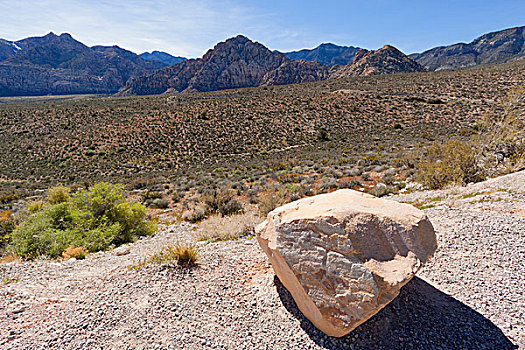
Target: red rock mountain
[
  {"x": 238, "y": 62},
  {"x": 386, "y": 60}
]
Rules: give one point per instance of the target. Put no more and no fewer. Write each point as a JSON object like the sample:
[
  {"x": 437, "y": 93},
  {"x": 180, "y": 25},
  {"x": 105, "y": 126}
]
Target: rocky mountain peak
[
  {"x": 385, "y": 60},
  {"x": 235, "y": 63}
]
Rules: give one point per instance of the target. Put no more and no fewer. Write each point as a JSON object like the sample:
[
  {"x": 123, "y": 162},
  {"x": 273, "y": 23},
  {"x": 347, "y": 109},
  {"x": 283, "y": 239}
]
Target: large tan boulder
[{"x": 345, "y": 255}]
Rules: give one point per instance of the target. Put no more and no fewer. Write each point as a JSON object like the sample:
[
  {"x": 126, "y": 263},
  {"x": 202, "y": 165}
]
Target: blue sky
[{"x": 190, "y": 28}]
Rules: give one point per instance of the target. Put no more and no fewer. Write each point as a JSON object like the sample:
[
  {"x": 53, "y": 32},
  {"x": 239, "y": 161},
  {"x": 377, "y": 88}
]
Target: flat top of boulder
[{"x": 342, "y": 202}]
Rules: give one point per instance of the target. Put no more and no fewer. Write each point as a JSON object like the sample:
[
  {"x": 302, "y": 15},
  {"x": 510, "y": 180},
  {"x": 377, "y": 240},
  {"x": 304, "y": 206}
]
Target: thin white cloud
[{"x": 186, "y": 28}]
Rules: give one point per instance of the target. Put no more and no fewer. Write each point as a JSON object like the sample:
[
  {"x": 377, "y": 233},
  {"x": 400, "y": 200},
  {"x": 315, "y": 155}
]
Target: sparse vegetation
[
  {"x": 96, "y": 219},
  {"x": 7, "y": 225},
  {"x": 213, "y": 153},
  {"x": 451, "y": 162},
  {"x": 218, "y": 228},
  {"x": 498, "y": 147},
  {"x": 183, "y": 254},
  {"x": 75, "y": 252}
]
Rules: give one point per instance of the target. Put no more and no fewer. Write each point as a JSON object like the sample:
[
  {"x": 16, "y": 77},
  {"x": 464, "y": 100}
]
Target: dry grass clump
[
  {"x": 451, "y": 162},
  {"x": 75, "y": 252},
  {"x": 225, "y": 228},
  {"x": 196, "y": 213},
  {"x": 8, "y": 258},
  {"x": 184, "y": 254},
  {"x": 502, "y": 138}
]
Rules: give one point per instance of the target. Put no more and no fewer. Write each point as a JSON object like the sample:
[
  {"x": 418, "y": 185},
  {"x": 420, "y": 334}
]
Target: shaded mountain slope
[
  {"x": 495, "y": 47},
  {"x": 327, "y": 54},
  {"x": 55, "y": 64},
  {"x": 163, "y": 57}
]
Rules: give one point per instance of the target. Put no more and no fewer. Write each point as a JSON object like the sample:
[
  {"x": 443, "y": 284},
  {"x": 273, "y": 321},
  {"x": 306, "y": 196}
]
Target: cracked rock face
[{"x": 345, "y": 255}]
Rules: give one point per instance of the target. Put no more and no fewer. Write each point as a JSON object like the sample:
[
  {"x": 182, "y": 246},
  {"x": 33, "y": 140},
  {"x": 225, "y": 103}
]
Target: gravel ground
[{"x": 469, "y": 296}]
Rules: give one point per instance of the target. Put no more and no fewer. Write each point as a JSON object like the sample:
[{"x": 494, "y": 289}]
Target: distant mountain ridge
[
  {"x": 59, "y": 64},
  {"x": 328, "y": 54},
  {"x": 235, "y": 63},
  {"x": 501, "y": 46},
  {"x": 162, "y": 57}
]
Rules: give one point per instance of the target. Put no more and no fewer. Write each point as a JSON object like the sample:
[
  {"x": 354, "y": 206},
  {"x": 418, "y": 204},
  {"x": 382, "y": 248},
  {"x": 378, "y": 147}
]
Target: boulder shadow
[{"x": 421, "y": 317}]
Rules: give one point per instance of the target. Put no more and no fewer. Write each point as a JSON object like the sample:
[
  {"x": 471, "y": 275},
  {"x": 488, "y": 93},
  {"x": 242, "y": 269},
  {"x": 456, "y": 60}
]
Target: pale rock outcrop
[{"x": 345, "y": 255}]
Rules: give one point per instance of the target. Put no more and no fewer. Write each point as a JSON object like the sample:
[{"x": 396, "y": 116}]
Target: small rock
[{"x": 121, "y": 251}]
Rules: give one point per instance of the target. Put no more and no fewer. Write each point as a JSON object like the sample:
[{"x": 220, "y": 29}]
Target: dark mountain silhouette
[
  {"x": 327, "y": 54},
  {"x": 162, "y": 57}
]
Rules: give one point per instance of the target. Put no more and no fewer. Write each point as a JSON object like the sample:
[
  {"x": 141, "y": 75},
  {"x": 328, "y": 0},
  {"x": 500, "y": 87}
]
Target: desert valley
[{"x": 134, "y": 190}]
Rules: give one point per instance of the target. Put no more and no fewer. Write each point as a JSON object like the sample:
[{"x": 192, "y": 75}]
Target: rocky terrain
[
  {"x": 59, "y": 64},
  {"x": 386, "y": 60},
  {"x": 468, "y": 296},
  {"x": 327, "y": 54},
  {"x": 502, "y": 46}
]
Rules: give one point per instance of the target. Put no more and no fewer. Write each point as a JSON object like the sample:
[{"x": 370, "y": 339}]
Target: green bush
[
  {"x": 160, "y": 203},
  {"x": 96, "y": 219},
  {"x": 7, "y": 225},
  {"x": 58, "y": 194}
]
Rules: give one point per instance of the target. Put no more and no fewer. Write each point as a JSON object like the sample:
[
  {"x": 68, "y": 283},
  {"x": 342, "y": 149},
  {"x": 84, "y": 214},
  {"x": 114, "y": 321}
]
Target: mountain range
[
  {"x": 235, "y": 63},
  {"x": 239, "y": 62},
  {"x": 496, "y": 47},
  {"x": 59, "y": 64}
]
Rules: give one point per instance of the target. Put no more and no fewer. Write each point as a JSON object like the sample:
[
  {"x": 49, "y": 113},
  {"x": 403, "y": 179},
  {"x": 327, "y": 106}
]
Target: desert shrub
[
  {"x": 7, "y": 225},
  {"x": 350, "y": 184},
  {"x": 58, "y": 194},
  {"x": 502, "y": 138},
  {"x": 160, "y": 203},
  {"x": 75, "y": 252},
  {"x": 195, "y": 214},
  {"x": 176, "y": 197},
  {"x": 217, "y": 228},
  {"x": 366, "y": 177},
  {"x": 326, "y": 184},
  {"x": 34, "y": 207},
  {"x": 222, "y": 201},
  {"x": 96, "y": 219},
  {"x": 148, "y": 197},
  {"x": 268, "y": 201},
  {"x": 381, "y": 190},
  {"x": 450, "y": 162},
  {"x": 388, "y": 179}
]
